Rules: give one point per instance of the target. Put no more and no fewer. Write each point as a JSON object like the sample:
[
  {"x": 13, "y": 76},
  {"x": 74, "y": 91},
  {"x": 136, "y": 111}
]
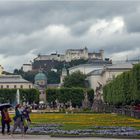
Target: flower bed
[{"x": 85, "y": 120}]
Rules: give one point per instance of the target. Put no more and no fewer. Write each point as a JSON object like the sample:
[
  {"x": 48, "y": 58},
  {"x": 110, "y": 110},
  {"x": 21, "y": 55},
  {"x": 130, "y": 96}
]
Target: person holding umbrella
[{"x": 5, "y": 120}]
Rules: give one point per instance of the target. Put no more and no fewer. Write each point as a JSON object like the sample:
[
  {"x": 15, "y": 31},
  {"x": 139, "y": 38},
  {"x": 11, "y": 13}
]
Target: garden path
[{"x": 46, "y": 137}]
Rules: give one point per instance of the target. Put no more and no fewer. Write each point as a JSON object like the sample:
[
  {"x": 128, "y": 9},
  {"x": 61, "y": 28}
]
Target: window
[
  {"x": 15, "y": 86},
  {"x": 1, "y": 86},
  {"x": 29, "y": 86},
  {"x": 7, "y": 86},
  {"x": 21, "y": 86}
]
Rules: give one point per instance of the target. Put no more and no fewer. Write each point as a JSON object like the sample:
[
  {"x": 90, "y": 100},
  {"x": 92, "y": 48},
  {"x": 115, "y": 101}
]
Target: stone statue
[
  {"x": 85, "y": 103},
  {"x": 98, "y": 91},
  {"x": 57, "y": 104},
  {"x": 98, "y": 101}
]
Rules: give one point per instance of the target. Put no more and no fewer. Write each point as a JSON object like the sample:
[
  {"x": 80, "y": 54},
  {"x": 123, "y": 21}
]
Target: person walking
[
  {"x": 5, "y": 120},
  {"x": 26, "y": 118},
  {"x": 18, "y": 119}
]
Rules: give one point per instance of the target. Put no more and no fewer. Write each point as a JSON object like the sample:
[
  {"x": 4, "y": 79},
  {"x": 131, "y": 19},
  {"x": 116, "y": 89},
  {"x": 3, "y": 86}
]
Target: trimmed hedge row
[
  {"x": 124, "y": 89},
  {"x": 27, "y": 95},
  {"x": 63, "y": 95},
  {"x": 76, "y": 95}
]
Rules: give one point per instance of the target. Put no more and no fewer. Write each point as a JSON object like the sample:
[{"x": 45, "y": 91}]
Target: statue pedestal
[{"x": 42, "y": 96}]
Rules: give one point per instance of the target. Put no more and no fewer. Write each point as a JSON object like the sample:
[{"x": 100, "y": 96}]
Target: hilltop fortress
[
  {"x": 48, "y": 62},
  {"x": 72, "y": 54}
]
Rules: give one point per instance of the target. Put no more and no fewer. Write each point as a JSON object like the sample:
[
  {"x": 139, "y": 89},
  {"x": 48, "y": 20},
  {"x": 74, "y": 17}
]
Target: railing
[
  {"x": 102, "y": 108},
  {"x": 128, "y": 112}
]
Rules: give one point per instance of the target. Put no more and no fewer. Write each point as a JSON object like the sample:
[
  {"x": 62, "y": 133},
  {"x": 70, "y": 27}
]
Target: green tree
[
  {"x": 27, "y": 95},
  {"x": 53, "y": 77},
  {"x": 124, "y": 89},
  {"x": 26, "y": 75},
  {"x": 29, "y": 76},
  {"x": 77, "y": 62},
  {"x": 64, "y": 95},
  {"x": 76, "y": 79}
]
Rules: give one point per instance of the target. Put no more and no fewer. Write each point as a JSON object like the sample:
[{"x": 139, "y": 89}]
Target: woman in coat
[
  {"x": 18, "y": 119},
  {"x": 5, "y": 120},
  {"x": 26, "y": 118}
]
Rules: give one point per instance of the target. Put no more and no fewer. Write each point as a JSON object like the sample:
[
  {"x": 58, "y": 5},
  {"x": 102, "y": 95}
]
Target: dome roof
[{"x": 40, "y": 76}]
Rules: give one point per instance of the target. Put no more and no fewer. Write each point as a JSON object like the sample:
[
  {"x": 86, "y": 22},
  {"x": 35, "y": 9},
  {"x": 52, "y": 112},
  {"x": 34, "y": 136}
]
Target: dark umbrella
[{"x": 6, "y": 105}]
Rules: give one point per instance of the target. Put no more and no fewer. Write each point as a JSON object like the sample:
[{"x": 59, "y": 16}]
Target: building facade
[
  {"x": 75, "y": 54},
  {"x": 27, "y": 67},
  {"x": 41, "y": 85},
  {"x": 14, "y": 82},
  {"x": 53, "y": 56},
  {"x": 87, "y": 68},
  {"x": 100, "y": 77}
]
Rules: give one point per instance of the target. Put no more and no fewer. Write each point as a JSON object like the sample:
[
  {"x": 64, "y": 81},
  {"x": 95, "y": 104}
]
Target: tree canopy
[
  {"x": 63, "y": 95},
  {"x": 76, "y": 79},
  {"x": 124, "y": 89}
]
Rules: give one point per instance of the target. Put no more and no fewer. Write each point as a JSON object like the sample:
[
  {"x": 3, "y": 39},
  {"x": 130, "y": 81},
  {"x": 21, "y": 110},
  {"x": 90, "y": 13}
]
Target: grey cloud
[
  {"x": 81, "y": 27},
  {"x": 29, "y": 16},
  {"x": 23, "y": 26},
  {"x": 133, "y": 21},
  {"x": 120, "y": 43}
]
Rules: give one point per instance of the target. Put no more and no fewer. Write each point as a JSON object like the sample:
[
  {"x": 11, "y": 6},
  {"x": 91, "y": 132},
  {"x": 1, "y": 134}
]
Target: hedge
[
  {"x": 63, "y": 95},
  {"x": 27, "y": 95},
  {"x": 124, "y": 89}
]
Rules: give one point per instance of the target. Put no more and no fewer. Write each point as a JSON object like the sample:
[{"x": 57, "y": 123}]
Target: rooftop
[
  {"x": 40, "y": 76},
  {"x": 96, "y": 72},
  {"x": 124, "y": 66},
  {"x": 12, "y": 79},
  {"x": 121, "y": 66},
  {"x": 93, "y": 63}
]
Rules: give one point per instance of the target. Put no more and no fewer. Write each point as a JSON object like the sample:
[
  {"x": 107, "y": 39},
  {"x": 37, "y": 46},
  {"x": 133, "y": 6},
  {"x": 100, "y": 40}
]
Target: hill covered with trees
[{"x": 52, "y": 76}]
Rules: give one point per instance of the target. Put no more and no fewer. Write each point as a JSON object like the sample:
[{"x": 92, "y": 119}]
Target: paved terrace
[{"x": 46, "y": 137}]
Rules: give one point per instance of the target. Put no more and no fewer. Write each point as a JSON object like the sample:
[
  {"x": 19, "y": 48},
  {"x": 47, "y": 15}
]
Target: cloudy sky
[{"x": 29, "y": 28}]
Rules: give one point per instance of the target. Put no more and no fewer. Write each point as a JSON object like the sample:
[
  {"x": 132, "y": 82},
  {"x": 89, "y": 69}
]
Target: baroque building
[
  {"x": 14, "y": 82},
  {"x": 100, "y": 77},
  {"x": 40, "y": 82}
]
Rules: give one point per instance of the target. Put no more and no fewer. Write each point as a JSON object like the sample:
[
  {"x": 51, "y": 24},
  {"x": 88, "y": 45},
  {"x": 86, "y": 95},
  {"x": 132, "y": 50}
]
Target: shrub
[
  {"x": 64, "y": 95},
  {"x": 27, "y": 95}
]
